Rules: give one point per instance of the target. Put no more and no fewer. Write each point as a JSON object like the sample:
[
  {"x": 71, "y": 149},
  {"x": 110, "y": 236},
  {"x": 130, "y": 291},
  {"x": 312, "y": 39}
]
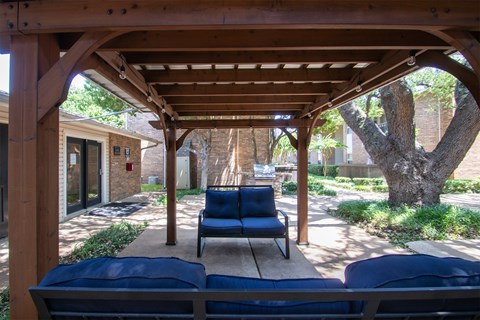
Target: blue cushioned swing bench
[{"x": 238, "y": 211}]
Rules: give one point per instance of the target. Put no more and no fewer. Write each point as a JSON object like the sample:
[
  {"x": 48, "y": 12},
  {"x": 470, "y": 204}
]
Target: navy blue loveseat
[
  {"x": 398, "y": 286},
  {"x": 242, "y": 211}
]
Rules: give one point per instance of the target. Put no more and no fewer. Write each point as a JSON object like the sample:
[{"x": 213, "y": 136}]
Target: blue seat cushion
[
  {"x": 257, "y": 202},
  {"x": 263, "y": 225},
  {"x": 130, "y": 272},
  {"x": 221, "y": 226},
  {"x": 222, "y": 204},
  {"x": 406, "y": 271},
  {"x": 274, "y": 307}
]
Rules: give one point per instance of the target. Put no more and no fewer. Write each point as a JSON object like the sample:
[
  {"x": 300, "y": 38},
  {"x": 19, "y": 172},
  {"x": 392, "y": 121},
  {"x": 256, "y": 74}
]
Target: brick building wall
[
  {"x": 153, "y": 156},
  {"x": 231, "y": 157},
  {"x": 124, "y": 183}
]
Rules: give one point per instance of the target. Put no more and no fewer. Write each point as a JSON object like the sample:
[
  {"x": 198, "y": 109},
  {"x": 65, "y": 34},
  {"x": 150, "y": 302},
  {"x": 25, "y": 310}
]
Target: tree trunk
[
  {"x": 205, "y": 140},
  {"x": 414, "y": 177}
]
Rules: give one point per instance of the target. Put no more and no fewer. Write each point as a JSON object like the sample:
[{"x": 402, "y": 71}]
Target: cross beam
[{"x": 239, "y": 124}]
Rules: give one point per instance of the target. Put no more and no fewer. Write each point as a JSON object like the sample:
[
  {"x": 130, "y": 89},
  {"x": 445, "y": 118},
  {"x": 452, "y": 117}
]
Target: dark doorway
[
  {"x": 83, "y": 174},
  {"x": 3, "y": 180}
]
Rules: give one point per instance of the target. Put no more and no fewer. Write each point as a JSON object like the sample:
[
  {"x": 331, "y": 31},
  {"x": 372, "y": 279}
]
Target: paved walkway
[{"x": 333, "y": 243}]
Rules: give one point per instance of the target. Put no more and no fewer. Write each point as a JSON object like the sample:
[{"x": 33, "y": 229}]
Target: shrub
[
  {"x": 162, "y": 199},
  {"x": 289, "y": 187},
  {"x": 405, "y": 224},
  {"x": 5, "y": 305},
  {"x": 343, "y": 179},
  {"x": 317, "y": 169},
  {"x": 368, "y": 181},
  {"x": 108, "y": 242},
  {"x": 380, "y": 188},
  {"x": 462, "y": 186},
  {"x": 315, "y": 187}
]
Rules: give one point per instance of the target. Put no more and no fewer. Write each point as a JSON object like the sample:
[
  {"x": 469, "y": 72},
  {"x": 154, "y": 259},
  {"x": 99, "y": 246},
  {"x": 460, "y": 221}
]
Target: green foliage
[
  {"x": 283, "y": 148},
  {"x": 315, "y": 187},
  {"x": 162, "y": 199},
  {"x": 108, "y": 242},
  {"x": 462, "y": 186},
  {"x": 333, "y": 122},
  {"x": 326, "y": 145},
  {"x": 435, "y": 83},
  {"x": 404, "y": 224},
  {"x": 368, "y": 181},
  {"x": 151, "y": 187},
  {"x": 93, "y": 101},
  {"x": 317, "y": 169},
  {"x": 343, "y": 179},
  {"x": 5, "y": 305}
]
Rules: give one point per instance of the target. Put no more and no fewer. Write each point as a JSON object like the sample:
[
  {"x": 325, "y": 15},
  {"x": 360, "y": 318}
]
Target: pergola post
[
  {"x": 171, "y": 183},
  {"x": 33, "y": 172},
  {"x": 302, "y": 186}
]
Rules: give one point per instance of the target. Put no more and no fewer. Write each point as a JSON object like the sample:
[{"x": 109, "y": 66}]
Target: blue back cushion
[
  {"x": 274, "y": 307},
  {"x": 221, "y": 204},
  {"x": 406, "y": 271},
  {"x": 130, "y": 272},
  {"x": 257, "y": 202}
]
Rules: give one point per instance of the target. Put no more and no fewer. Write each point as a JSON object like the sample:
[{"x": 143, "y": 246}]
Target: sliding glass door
[{"x": 83, "y": 174}]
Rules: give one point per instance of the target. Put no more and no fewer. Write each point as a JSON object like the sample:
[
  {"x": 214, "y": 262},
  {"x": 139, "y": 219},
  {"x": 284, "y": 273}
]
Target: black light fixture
[{"x": 411, "y": 58}]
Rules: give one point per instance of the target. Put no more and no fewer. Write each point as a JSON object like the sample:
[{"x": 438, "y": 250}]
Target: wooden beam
[
  {"x": 266, "y": 108},
  {"x": 247, "y": 75},
  {"x": 9, "y": 14},
  {"x": 253, "y": 57},
  {"x": 33, "y": 173},
  {"x": 171, "y": 184},
  {"x": 294, "y": 39},
  {"x": 62, "y": 72},
  {"x": 241, "y": 100},
  {"x": 182, "y": 138},
  {"x": 244, "y": 89},
  {"x": 364, "y": 77},
  {"x": 291, "y": 138},
  {"x": 302, "y": 186},
  {"x": 240, "y": 124},
  {"x": 202, "y": 113},
  {"x": 137, "y": 80},
  {"x": 458, "y": 70},
  {"x": 65, "y": 16}
]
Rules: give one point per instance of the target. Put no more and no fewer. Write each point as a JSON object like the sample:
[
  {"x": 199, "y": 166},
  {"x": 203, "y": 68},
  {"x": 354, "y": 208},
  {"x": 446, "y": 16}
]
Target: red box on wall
[{"x": 129, "y": 166}]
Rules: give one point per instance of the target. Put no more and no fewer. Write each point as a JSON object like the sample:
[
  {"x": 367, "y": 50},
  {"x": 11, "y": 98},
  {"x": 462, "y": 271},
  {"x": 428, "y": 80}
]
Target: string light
[
  {"x": 330, "y": 104},
  {"x": 149, "y": 96},
  {"x": 163, "y": 110},
  {"x": 309, "y": 115},
  {"x": 122, "y": 73},
  {"x": 359, "y": 88},
  {"x": 411, "y": 58}
]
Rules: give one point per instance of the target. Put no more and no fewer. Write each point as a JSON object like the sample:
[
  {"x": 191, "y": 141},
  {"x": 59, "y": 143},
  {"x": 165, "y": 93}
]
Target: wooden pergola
[{"x": 190, "y": 58}]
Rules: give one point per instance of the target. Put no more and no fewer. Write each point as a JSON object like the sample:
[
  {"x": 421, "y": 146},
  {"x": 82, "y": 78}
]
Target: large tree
[{"x": 413, "y": 175}]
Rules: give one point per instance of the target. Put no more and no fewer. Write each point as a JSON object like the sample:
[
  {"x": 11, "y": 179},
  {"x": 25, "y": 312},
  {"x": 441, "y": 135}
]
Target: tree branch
[{"x": 459, "y": 136}]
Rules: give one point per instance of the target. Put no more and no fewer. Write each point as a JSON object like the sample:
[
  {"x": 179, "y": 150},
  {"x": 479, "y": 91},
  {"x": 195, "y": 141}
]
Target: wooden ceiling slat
[
  {"x": 307, "y": 39},
  {"x": 240, "y": 100},
  {"x": 262, "y": 75},
  {"x": 243, "y": 89},
  {"x": 254, "y": 57},
  {"x": 232, "y": 106}
]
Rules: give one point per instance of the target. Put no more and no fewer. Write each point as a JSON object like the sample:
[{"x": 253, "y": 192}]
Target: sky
[{"x": 5, "y": 71}]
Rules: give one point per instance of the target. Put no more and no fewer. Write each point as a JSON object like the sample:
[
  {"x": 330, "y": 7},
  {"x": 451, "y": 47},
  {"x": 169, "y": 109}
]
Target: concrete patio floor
[{"x": 333, "y": 243}]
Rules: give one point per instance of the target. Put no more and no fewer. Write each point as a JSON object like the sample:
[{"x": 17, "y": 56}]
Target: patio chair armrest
[
  {"x": 284, "y": 215},
  {"x": 201, "y": 215}
]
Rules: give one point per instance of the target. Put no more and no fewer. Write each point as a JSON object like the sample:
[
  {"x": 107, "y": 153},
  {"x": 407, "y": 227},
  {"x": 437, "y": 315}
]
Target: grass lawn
[{"x": 151, "y": 187}]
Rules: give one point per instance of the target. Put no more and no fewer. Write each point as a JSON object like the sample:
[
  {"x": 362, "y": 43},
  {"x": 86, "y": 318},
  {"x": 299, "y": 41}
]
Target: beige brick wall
[{"x": 124, "y": 183}]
